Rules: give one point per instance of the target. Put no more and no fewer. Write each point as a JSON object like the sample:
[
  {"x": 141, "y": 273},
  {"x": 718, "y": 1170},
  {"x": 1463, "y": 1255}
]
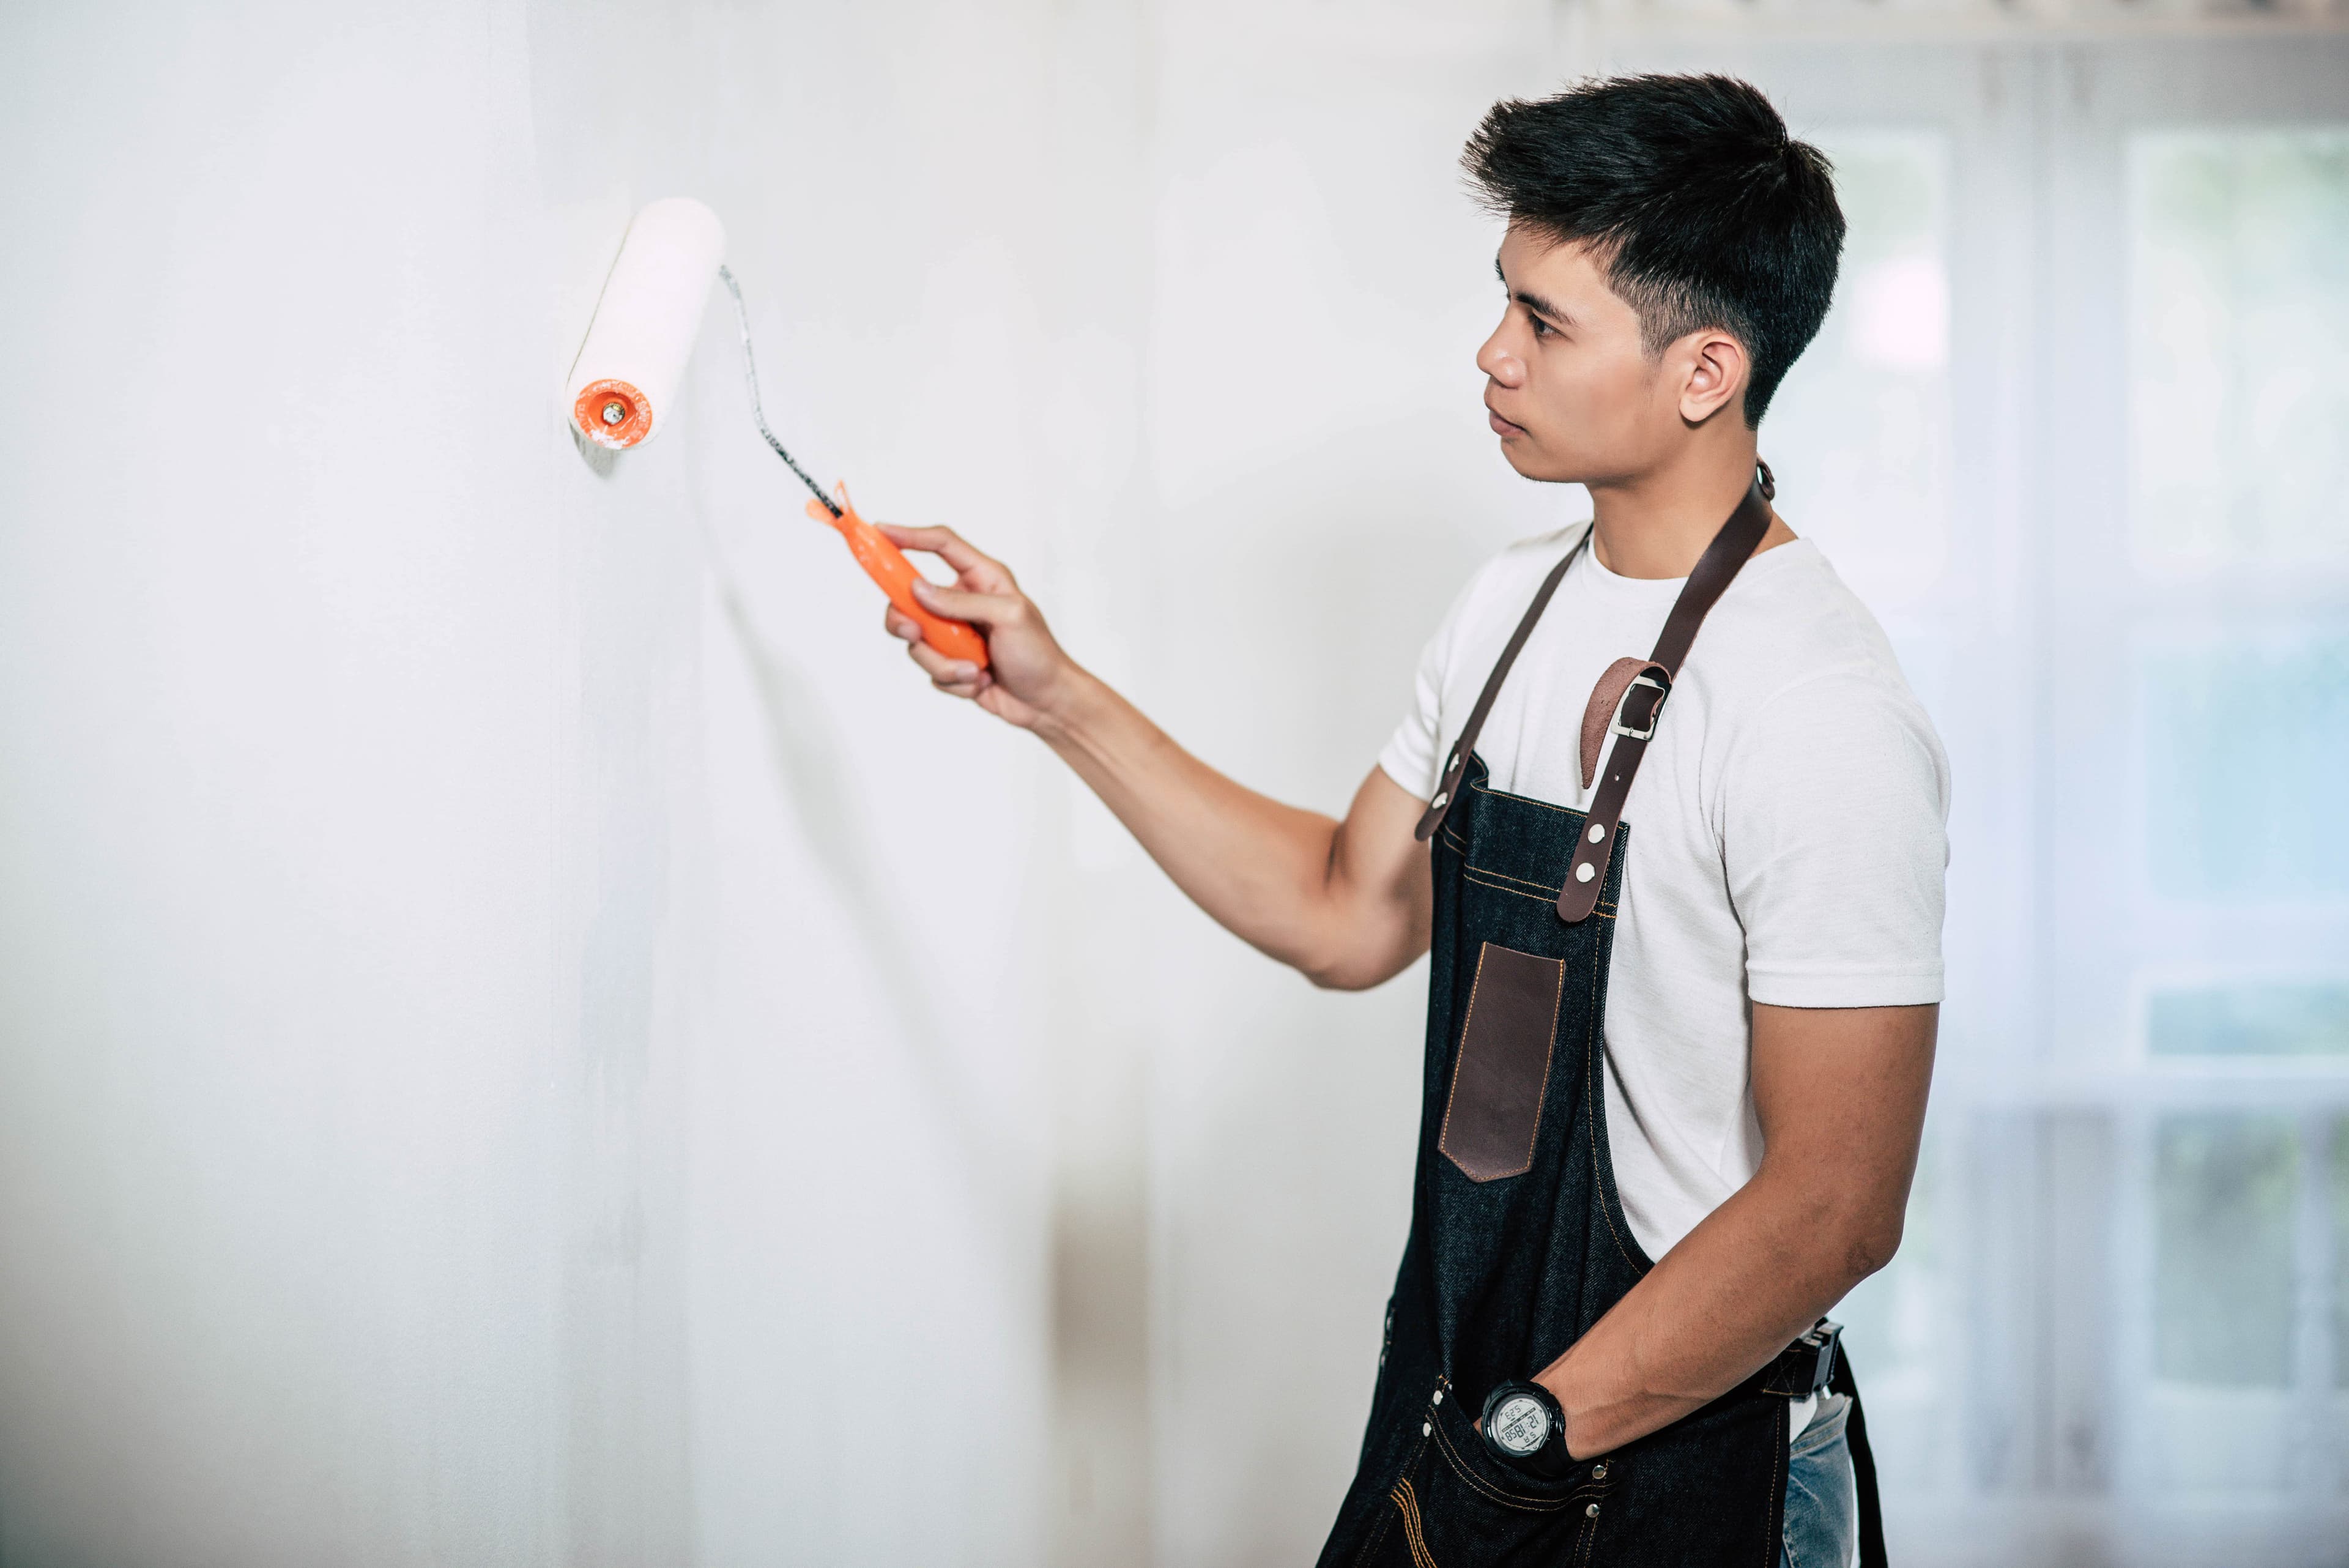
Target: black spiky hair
[{"x": 1705, "y": 211}]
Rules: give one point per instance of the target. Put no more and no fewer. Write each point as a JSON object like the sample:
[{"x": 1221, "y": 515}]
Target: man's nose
[{"x": 1497, "y": 362}]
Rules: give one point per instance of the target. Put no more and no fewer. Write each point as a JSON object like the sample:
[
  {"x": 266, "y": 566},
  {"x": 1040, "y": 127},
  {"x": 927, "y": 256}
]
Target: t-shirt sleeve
[
  {"x": 1834, "y": 815},
  {"x": 1409, "y": 757},
  {"x": 1413, "y": 752}
]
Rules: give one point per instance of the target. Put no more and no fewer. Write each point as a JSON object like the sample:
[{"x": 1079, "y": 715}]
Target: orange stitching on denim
[
  {"x": 1408, "y": 1501},
  {"x": 1590, "y": 1537},
  {"x": 1486, "y": 1489},
  {"x": 1536, "y": 898},
  {"x": 1595, "y": 1107},
  {"x": 1605, "y": 910},
  {"x": 1590, "y": 1492},
  {"x": 1386, "y": 1521},
  {"x": 1504, "y": 876}
]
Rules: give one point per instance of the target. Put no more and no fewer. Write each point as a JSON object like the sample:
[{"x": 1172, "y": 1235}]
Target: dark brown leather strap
[
  {"x": 1635, "y": 725},
  {"x": 1457, "y": 763},
  {"x": 1605, "y": 699}
]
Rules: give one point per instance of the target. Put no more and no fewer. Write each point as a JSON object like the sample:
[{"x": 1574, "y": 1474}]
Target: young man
[{"x": 1709, "y": 1047}]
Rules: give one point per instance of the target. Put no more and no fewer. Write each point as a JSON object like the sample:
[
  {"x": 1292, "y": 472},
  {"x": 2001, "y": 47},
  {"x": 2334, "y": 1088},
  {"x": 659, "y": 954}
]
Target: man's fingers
[
  {"x": 958, "y": 677},
  {"x": 954, "y": 676},
  {"x": 983, "y": 573},
  {"x": 987, "y": 610}
]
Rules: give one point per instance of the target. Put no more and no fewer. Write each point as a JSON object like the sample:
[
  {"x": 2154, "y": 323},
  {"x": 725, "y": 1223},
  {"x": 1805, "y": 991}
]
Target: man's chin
[{"x": 1532, "y": 462}]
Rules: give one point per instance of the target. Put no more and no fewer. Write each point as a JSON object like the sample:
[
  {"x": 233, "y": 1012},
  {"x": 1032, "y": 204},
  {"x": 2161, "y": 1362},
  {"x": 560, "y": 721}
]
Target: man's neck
[{"x": 1658, "y": 523}]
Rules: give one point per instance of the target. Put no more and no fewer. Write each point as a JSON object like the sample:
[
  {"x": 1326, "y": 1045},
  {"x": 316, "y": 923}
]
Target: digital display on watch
[{"x": 1522, "y": 1425}]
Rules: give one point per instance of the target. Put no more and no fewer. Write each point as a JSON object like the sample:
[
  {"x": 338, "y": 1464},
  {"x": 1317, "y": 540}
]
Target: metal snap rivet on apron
[
  {"x": 1439, "y": 1395},
  {"x": 1441, "y": 797},
  {"x": 1590, "y": 1513},
  {"x": 1426, "y": 1427},
  {"x": 1598, "y": 831},
  {"x": 1598, "y": 1472},
  {"x": 1583, "y": 873}
]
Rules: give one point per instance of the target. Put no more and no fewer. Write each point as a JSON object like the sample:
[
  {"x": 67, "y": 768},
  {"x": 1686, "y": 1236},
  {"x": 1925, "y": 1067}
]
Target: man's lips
[{"x": 1501, "y": 426}]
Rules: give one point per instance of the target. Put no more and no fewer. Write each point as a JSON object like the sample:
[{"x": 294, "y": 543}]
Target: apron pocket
[
  {"x": 1456, "y": 1506},
  {"x": 1501, "y": 1070}
]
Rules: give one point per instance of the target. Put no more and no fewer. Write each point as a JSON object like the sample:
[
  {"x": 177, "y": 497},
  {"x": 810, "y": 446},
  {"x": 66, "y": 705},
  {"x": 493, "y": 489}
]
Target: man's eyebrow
[{"x": 1529, "y": 300}]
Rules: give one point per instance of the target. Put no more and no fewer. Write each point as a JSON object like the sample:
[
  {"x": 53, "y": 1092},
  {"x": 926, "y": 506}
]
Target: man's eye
[{"x": 1541, "y": 329}]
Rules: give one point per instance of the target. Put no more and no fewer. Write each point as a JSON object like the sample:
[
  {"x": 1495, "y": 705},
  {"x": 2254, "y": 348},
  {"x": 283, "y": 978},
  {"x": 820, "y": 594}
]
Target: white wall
[
  {"x": 512, "y": 1050},
  {"x": 1327, "y": 482}
]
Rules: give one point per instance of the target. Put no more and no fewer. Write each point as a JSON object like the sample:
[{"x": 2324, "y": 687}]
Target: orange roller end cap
[{"x": 612, "y": 413}]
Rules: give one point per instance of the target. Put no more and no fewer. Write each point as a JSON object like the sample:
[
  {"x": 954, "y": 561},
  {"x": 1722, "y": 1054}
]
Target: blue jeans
[{"x": 1822, "y": 1525}]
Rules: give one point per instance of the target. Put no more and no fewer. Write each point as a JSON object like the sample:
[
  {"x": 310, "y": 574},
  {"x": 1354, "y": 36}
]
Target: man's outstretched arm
[
  {"x": 1345, "y": 902},
  {"x": 1840, "y": 1092}
]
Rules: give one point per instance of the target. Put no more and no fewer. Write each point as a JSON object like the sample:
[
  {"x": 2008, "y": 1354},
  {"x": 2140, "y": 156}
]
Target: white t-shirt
[{"x": 1788, "y": 836}]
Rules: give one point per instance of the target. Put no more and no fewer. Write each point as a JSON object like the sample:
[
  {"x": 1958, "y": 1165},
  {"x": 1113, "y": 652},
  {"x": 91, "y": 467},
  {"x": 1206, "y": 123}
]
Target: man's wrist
[
  {"x": 1068, "y": 708},
  {"x": 1554, "y": 1384}
]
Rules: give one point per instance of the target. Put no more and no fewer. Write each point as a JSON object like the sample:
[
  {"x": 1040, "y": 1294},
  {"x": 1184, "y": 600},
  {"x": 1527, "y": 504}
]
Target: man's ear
[{"x": 1714, "y": 367}]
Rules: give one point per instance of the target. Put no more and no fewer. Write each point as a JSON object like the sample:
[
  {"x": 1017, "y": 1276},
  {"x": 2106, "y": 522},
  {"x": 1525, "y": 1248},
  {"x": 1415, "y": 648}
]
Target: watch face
[{"x": 1521, "y": 1426}]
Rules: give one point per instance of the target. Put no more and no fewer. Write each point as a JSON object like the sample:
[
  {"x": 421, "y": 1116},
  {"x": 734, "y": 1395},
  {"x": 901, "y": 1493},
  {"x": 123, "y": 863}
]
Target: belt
[{"x": 1804, "y": 1367}]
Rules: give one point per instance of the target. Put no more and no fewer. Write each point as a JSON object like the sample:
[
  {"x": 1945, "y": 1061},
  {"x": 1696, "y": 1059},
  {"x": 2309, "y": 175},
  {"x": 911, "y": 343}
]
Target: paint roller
[{"x": 626, "y": 379}]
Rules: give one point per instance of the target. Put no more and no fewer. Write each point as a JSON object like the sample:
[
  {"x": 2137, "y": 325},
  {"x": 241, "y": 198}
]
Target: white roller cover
[{"x": 626, "y": 378}]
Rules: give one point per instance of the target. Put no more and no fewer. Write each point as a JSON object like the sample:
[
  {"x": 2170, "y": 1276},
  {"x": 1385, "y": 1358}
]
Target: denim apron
[{"x": 1519, "y": 1243}]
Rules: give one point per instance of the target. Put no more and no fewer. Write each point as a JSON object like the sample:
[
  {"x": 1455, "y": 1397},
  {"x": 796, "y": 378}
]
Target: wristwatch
[{"x": 1524, "y": 1425}]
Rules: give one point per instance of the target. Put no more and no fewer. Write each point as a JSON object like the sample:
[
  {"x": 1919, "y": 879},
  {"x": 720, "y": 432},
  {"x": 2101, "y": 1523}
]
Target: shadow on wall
[
  {"x": 806, "y": 750},
  {"x": 598, "y": 459}
]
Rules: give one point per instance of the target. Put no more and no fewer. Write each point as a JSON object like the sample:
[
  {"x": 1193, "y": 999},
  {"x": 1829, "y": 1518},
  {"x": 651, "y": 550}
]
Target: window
[
  {"x": 2223, "y": 1192},
  {"x": 2246, "y": 765},
  {"x": 2237, "y": 254},
  {"x": 2239, "y": 321},
  {"x": 2249, "y": 1021},
  {"x": 2075, "y": 433},
  {"x": 1866, "y": 414}
]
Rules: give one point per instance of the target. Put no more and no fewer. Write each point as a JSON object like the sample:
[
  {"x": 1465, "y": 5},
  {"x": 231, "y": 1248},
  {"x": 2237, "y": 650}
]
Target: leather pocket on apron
[{"x": 1501, "y": 1071}]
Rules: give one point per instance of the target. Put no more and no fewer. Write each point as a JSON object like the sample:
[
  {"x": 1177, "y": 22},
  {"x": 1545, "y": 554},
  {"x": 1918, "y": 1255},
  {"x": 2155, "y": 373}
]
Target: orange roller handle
[{"x": 886, "y": 564}]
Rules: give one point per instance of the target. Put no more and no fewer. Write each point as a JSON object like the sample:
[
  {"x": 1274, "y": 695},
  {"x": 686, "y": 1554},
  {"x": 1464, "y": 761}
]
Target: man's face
[{"x": 1572, "y": 391}]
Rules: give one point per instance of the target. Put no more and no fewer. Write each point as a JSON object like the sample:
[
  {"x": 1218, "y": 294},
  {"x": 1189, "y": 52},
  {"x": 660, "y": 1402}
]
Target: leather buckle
[{"x": 1615, "y": 726}]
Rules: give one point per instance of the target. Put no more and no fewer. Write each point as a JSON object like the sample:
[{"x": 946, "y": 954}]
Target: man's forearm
[
  {"x": 1346, "y": 901},
  {"x": 1280, "y": 877},
  {"x": 1840, "y": 1094},
  {"x": 1760, "y": 1269}
]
